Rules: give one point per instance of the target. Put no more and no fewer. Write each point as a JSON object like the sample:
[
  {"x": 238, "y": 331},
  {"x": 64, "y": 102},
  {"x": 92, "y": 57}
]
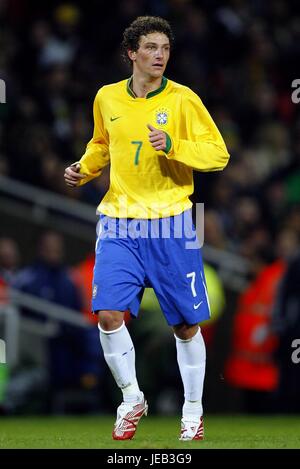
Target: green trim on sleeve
[{"x": 168, "y": 143}]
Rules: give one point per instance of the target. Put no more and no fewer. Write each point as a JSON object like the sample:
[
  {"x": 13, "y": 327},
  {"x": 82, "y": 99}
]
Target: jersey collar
[{"x": 130, "y": 91}]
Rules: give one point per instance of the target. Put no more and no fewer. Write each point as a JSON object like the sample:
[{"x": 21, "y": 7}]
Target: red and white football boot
[
  {"x": 192, "y": 430},
  {"x": 128, "y": 417}
]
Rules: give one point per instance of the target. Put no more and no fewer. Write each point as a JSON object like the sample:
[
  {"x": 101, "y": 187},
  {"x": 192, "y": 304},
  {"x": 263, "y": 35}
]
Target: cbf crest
[{"x": 162, "y": 116}]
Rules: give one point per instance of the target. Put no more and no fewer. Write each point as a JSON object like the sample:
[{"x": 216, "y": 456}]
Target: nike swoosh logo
[
  {"x": 114, "y": 118},
  {"x": 197, "y": 306}
]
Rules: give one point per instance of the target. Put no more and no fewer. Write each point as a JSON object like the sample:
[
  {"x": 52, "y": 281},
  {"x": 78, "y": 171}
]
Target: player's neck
[{"x": 142, "y": 85}]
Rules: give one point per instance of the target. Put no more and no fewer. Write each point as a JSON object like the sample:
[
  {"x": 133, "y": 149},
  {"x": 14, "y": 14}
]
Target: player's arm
[
  {"x": 96, "y": 156},
  {"x": 203, "y": 148}
]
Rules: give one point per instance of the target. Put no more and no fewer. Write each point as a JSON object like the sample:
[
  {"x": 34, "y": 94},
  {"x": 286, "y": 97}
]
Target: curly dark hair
[{"x": 142, "y": 26}]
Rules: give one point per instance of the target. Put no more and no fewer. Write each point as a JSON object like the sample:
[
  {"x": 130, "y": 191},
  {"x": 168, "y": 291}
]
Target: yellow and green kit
[{"x": 145, "y": 183}]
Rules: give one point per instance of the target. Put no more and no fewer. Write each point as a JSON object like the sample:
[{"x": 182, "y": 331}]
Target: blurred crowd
[{"x": 241, "y": 57}]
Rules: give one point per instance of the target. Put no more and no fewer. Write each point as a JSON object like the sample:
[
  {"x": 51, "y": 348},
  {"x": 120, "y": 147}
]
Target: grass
[{"x": 153, "y": 432}]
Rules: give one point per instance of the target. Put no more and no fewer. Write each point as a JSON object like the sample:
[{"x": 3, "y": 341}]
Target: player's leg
[
  {"x": 119, "y": 353},
  {"x": 191, "y": 358},
  {"x": 177, "y": 276},
  {"x": 117, "y": 287}
]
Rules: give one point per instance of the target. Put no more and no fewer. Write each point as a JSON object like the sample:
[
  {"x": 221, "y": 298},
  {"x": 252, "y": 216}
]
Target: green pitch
[{"x": 153, "y": 432}]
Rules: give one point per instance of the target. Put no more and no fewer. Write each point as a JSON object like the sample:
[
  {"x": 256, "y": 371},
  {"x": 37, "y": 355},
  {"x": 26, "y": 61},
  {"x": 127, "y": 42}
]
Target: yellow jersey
[{"x": 145, "y": 183}]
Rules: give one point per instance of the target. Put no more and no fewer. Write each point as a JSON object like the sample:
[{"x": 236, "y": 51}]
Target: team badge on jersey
[{"x": 162, "y": 116}]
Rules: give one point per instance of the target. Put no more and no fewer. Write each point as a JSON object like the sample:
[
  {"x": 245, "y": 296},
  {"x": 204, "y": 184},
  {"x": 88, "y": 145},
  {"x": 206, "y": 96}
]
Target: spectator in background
[
  {"x": 9, "y": 259},
  {"x": 250, "y": 365},
  {"x": 60, "y": 47},
  {"x": 48, "y": 277},
  {"x": 74, "y": 359}
]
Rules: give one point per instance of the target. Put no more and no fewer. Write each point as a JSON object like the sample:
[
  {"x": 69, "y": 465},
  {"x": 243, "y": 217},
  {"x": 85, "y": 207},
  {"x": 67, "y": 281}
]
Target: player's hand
[
  {"x": 157, "y": 138},
  {"x": 72, "y": 175}
]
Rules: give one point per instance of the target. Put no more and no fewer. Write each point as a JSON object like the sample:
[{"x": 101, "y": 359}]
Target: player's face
[{"x": 152, "y": 56}]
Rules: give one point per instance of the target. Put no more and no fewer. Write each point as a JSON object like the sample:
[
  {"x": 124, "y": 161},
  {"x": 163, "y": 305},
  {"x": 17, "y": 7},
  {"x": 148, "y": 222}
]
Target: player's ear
[{"x": 131, "y": 55}]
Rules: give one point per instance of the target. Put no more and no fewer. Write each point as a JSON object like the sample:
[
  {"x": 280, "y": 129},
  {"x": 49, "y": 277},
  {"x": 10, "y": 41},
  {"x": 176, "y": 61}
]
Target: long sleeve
[
  {"x": 202, "y": 147},
  {"x": 97, "y": 155}
]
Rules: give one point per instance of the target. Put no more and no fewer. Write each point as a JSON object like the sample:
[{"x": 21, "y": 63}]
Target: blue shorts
[{"x": 132, "y": 254}]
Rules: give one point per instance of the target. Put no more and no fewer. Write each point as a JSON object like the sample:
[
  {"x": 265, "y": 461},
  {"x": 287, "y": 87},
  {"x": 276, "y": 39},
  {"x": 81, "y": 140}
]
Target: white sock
[
  {"x": 191, "y": 357},
  {"x": 119, "y": 354}
]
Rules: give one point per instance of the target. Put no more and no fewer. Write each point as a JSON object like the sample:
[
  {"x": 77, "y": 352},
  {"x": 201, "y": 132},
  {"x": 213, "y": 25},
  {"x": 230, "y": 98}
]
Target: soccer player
[{"x": 153, "y": 132}]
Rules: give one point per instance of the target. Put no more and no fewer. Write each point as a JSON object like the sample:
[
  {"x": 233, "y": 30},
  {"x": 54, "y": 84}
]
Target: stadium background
[{"x": 241, "y": 58}]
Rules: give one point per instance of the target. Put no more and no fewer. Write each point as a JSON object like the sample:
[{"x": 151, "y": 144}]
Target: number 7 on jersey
[{"x": 139, "y": 144}]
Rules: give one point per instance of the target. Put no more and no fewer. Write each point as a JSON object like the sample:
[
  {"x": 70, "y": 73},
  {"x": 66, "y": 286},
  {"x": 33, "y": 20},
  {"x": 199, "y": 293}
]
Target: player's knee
[
  {"x": 185, "y": 331},
  {"x": 110, "y": 320}
]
